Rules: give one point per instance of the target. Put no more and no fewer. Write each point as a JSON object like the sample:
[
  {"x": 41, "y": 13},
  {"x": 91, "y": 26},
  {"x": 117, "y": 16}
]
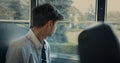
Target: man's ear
[{"x": 50, "y": 22}]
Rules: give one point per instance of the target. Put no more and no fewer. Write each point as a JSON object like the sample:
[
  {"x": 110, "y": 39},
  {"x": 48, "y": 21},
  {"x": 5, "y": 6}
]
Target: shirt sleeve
[{"x": 14, "y": 55}]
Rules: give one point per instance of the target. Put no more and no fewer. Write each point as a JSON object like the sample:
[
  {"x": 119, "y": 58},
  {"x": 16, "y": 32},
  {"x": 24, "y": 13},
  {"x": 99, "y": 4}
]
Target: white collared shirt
[{"x": 27, "y": 49}]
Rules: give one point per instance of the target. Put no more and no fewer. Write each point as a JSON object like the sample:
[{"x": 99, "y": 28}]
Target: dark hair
[{"x": 43, "y": 13}]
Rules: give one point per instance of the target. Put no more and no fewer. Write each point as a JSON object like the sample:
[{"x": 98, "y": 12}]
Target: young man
[{"x": 32, "y": 48}]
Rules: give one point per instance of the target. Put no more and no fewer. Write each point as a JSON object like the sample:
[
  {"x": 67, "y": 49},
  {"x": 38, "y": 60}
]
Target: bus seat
[
  {"x": 8, "y": 32},
  {"x": 98, "y": 44}
]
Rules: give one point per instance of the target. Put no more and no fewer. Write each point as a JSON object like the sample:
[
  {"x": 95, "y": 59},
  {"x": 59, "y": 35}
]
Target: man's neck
[{"x": 39, "y": 33}]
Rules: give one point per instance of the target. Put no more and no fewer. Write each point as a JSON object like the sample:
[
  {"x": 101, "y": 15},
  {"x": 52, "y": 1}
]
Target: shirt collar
[{"x": 34, "y": 39}]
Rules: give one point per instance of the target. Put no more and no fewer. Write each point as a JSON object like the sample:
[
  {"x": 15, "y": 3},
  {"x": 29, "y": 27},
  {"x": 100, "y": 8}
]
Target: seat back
[
  {"x": 3, "y": 46},
  {"x": 98, "y": 44},
  {"x": 8, "y": 32}
]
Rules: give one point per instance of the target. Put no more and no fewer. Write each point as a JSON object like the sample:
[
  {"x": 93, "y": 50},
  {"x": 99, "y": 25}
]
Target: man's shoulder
[{"x": 20, "y": 42}]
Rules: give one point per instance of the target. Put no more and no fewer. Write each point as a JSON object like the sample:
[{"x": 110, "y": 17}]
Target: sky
[{"x": 83, "y": 5}]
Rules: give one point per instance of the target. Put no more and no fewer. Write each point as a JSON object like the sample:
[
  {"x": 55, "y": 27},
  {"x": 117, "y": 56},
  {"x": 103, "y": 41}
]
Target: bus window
[
  {"x": 113, "y": 15},
  {"x": 14, "y": 10},
  {"x": 14, "y": 22},
  {"x": 14, "y": 18},
  {"x": 78, "y": 14}
]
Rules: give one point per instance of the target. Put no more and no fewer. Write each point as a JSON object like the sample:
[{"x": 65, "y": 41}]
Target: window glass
[
  {"x": 14, "y": 9},
  {"x": 113, "y": 15},
  {"x": 64, "y": 41},
  {"x": 78, "y": 14},
  {"x": 75, "y": 10},
  {"x": 113, "y": 10}
]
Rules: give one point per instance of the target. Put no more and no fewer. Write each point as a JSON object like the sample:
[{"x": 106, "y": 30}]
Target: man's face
[{"x": 51, "y": 27}]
